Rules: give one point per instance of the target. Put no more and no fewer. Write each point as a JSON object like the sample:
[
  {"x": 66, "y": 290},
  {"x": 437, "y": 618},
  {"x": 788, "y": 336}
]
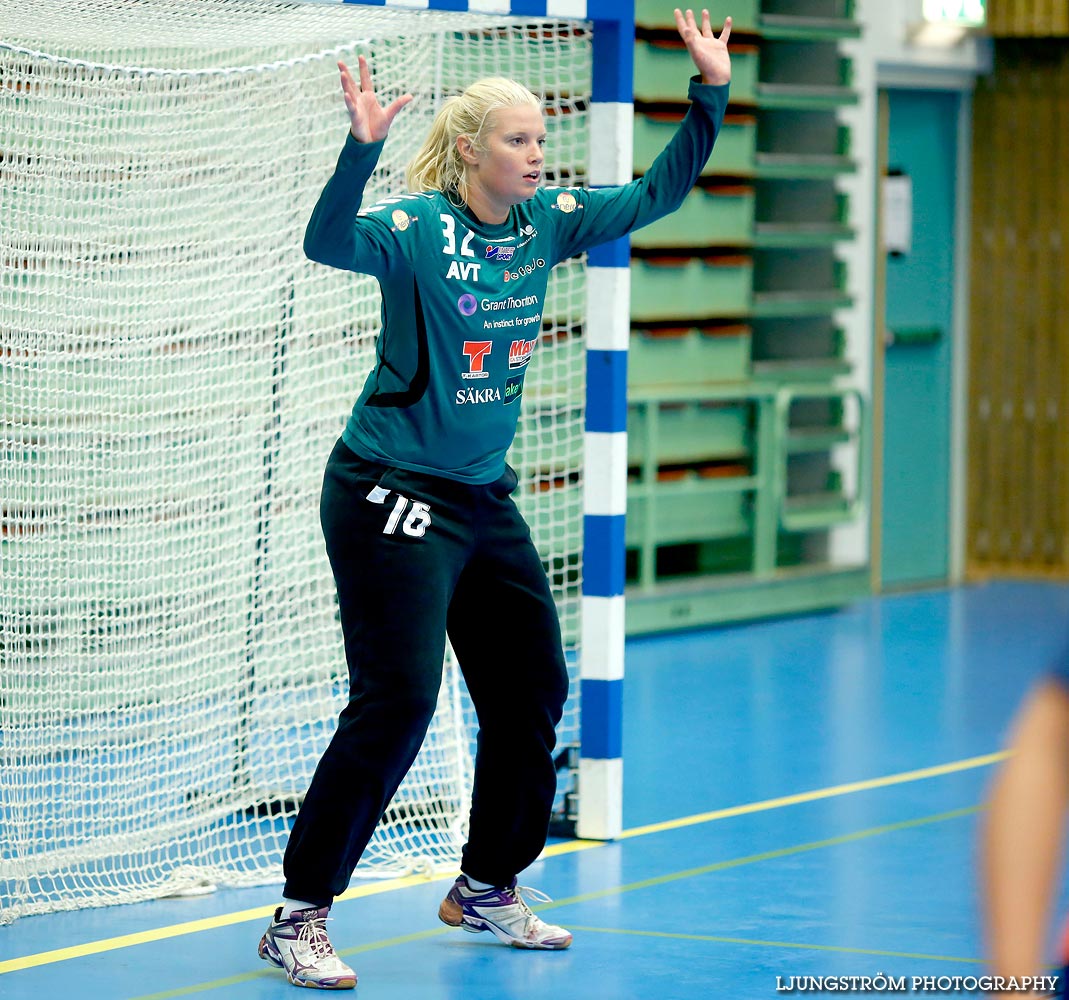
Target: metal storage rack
[{"x": 745, "y": 449}]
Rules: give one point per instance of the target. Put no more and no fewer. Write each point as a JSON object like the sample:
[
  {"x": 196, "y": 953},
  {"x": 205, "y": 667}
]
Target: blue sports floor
[{"x": 801, "y": 799}]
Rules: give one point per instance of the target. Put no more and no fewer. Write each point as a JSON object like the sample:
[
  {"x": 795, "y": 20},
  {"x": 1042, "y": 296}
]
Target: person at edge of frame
[
  {"x": 1021, "y": 837},
  {"x": 421, "y": 531}
]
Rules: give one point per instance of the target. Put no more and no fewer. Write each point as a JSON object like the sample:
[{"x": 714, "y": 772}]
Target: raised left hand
[
  {"x": 369, "y": 121},
  {"x": 710, "y": 53}
]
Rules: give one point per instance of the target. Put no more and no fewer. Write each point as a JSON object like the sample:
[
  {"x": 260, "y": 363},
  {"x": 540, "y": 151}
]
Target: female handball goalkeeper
[{"x": 422, "y": 534}]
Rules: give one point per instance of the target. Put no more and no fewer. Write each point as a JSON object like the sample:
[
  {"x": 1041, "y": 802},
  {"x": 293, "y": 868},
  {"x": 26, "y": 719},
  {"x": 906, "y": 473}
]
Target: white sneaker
[
  {"x": 504, "y": 912},
  {"x": 299, "y": 945}
]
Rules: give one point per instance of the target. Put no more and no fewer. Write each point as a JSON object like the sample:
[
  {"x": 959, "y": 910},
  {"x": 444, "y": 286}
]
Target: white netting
[{"x": 173, "y": 374}]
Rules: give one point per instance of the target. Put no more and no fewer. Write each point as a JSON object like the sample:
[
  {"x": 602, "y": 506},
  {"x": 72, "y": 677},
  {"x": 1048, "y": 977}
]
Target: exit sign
[{"x": 972, "y": 13}]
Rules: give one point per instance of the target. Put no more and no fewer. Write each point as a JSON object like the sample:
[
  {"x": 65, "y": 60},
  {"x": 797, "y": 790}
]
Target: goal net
[{"x": 173, "y": 375}]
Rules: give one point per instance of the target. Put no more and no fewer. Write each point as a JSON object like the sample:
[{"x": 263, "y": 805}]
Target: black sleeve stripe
[{"x": 418, "y": 386}]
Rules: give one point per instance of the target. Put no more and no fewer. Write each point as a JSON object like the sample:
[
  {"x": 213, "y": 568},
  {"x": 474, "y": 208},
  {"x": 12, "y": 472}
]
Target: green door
[{"x": 922, "y": 150}]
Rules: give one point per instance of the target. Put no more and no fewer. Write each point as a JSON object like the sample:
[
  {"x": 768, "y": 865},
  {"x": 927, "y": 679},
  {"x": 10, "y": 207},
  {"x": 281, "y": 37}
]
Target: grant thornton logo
[{"x": 467, "y": 304}]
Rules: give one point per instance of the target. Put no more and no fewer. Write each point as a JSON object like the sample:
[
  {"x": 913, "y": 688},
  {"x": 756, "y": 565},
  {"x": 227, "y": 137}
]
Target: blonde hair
[{"x": 438, "y": 165}]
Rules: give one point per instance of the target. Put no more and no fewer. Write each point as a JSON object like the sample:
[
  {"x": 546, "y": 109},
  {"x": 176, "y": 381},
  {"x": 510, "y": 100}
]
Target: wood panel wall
[
  {"x": 1027, "y": 18},
  {"x": 1018, "y": 433}
]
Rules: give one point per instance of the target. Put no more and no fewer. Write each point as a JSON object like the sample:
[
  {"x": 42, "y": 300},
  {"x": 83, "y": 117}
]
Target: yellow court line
[
  {"x": 780, "y": 852},
  {"x": 190, "y": 927},
  {"x": 645, "y": 883},
  {"x": 757, "y": 943},
  {"x": 554, "y": 850},
  {"x": 820, "y": 793}
]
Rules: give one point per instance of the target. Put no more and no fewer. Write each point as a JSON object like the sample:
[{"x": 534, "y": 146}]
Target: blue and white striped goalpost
[{"x": 608, "y": 327}]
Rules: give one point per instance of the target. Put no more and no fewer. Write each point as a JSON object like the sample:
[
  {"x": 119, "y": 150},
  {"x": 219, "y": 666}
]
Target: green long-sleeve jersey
[{"x": 462, "y": 300}]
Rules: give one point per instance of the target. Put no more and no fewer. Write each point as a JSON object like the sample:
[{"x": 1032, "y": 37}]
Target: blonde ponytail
[{"x": 438, "y": 165}]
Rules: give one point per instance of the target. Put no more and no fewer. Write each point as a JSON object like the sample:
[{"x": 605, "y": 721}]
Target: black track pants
[{"x": 415, "y": 557}]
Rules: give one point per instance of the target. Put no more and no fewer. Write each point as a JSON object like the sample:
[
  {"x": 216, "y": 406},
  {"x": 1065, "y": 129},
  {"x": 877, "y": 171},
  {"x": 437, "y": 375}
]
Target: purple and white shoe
[
  {"x": 505, "y": 913},
  {"x": 300, "y": 946}
]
